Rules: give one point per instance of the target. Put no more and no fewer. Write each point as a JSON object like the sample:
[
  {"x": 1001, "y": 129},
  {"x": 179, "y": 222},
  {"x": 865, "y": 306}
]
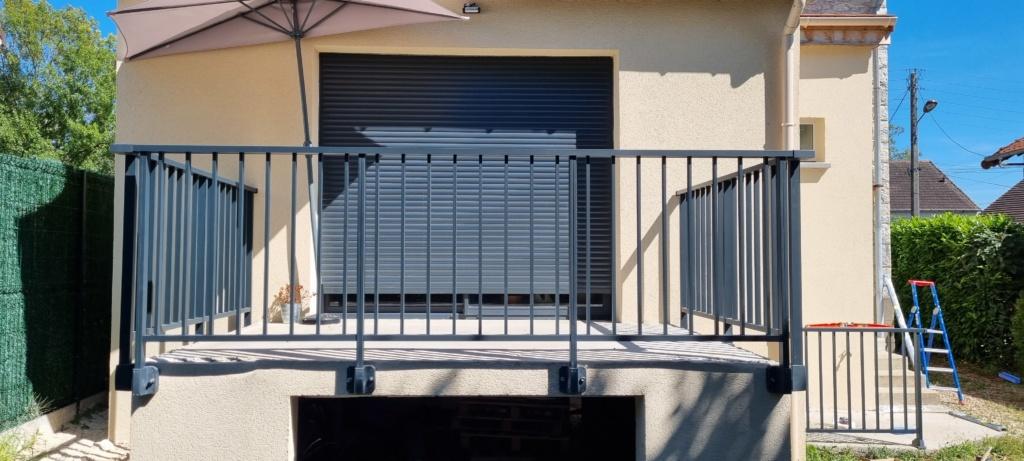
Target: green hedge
[
  {"x": 977, "y": 263},
  {"x": 52, "y": 344}
]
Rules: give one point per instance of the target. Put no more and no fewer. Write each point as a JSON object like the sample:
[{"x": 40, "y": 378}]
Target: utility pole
[{"x": 915, "y": 183}]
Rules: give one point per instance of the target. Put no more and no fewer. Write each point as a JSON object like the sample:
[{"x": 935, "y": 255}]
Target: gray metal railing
[
  {"x": 460, "y": 244},
  {"x": 862, "y": 381}
]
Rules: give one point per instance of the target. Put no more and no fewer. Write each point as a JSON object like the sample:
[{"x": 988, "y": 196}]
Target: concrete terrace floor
[{"x": 278, "y": 346}]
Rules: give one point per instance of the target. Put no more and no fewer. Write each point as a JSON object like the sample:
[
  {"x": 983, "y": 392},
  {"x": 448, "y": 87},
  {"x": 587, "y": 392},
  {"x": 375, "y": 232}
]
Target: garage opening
[{"x": 466, "y": 428}]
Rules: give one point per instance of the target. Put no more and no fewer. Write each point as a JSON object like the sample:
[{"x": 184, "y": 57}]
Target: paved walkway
[{"x": 940, "y": 430}]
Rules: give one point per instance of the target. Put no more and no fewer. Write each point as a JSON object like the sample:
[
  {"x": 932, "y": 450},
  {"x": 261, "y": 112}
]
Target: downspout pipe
[
  {"x": 791, "y": 76},
  {"x": 877, "y": 186}
]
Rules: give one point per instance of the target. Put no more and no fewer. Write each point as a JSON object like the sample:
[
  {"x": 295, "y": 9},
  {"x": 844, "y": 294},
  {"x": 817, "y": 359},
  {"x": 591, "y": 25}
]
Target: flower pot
[{"x": 290, "y": 311}]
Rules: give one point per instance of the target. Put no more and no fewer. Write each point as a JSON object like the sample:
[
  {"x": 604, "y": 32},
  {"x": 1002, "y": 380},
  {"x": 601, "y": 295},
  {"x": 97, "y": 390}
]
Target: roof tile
[{"x": 938, "y": 192}]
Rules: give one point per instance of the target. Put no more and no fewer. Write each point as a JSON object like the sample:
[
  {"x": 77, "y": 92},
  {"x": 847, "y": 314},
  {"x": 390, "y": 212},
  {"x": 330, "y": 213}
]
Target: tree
[
  {"x": 57, "y": 75},
  {"x": 895, "y": 153}
]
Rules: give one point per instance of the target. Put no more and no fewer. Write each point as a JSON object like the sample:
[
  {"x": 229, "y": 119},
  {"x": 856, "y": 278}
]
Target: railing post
[
  {"x": 796, "y": 320},
  {"x": 918, "y": 411},
  {"x": 144, "y": 378},
  {"x": 572, "y": 379},
  {"x": 360, "y": 377}
]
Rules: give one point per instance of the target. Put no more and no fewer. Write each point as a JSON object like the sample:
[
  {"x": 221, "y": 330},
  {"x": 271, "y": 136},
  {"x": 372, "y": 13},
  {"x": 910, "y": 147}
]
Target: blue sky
[{"x": 971, "y": 62}]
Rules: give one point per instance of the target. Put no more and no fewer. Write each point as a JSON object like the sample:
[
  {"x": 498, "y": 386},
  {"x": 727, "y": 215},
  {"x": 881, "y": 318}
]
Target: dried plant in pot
[{"x": 290, "y": 301}]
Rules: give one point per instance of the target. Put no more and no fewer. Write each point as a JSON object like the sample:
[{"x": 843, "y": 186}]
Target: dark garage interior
[{"x": 466, "y": 428}]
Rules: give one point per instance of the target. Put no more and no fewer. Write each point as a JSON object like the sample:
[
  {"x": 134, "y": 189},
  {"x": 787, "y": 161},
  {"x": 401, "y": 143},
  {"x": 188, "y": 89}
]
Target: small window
[{"x": 812, "y": 136}]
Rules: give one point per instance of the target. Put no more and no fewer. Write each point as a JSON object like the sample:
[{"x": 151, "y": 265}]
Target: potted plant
[{"x": 290, "y": 299}]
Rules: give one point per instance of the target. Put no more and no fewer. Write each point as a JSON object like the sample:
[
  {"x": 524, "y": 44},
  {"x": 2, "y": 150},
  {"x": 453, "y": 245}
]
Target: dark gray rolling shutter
[{"x": 446, "y": 101}]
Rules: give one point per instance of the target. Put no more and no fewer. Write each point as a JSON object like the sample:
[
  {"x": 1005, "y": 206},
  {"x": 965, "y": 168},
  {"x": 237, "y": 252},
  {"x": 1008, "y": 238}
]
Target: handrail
[{"x": 485, "y": 151}]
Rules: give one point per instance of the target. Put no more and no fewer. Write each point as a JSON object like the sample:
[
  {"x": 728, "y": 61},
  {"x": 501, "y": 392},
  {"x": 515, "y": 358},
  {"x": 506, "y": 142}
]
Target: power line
[
  {"x": 985, "y": 108},
  {"x": 963, "y": 178},
  {"x": 996, "y": 119},
  {"x": 980, "y": 87},
  {"x": 893, "y": 114},
  {"x": 950, "y": 138},
  {"x": 993, "y": 98}
]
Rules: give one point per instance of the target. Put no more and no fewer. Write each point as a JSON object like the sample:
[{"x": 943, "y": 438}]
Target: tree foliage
[
  {"x": 57, "y": 75},
  {"x": 977, "y": 263}
]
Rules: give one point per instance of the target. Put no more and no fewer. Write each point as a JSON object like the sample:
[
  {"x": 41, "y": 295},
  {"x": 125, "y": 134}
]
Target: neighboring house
[
  {"x": 469, "y": 172},
  {"x": 1010, "y": 203},
  {"x": 939, "y": 194},
  {"x": 1004, "y": 155}
]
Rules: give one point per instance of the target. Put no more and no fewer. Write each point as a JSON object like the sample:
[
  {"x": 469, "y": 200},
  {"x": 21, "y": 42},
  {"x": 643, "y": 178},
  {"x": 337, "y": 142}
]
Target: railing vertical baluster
[
  {"x": 173, "y": 248},
  {"x": 143, "y": 163},
  {"x": 835, "y": 384},
  {"x": 691, "y": 241},
  {"x": 291, "y": 252},
  {"x": 361, "y": 263},
  {"x": 480, "y": 245},
  {"x": 757, "y": 269},
  {"x": 767, "y": 240},
  {"x": 186, "y": 305},
  {"x": 505, "y": 227},
  {"x": 586, "y": 230},
  {"x": 455, "y": 242},
  {"x": 344, "y": 247},
  {"x": 376, "y": 243},
  {"x": 430, "y": 224},
  {"x": 266, "y": 241},
  {"x": 241, "y": 248},
  {"x": 918, "y": 407},
  {"x": 639, "y": 252},
  {"x": 214, "y": 241},
  {"x": 531, "y": 186},
  {"x": 903, "y": 372},
  {"x": 573, "y": 261},
  {"x": 849, "y": 386},
  {"x": 716, "y": 253},
  {"x": 159, "y": 214},
  {"x": 741, "y": 248},
  {"x": 319, "y": 240},
  {"x": 613, "y": 268},
  {"x": 863, "y": 396},
  {"x": 558, "y": 247},
  {"x": 878, "y": 398},
  {"x": 821, "y": 383},
  {"x": 401, "y": 254},
  {"x": 892, "y": 416},
  {"x": 664, "y": 248},
  {"x": 807, "y": 396}
]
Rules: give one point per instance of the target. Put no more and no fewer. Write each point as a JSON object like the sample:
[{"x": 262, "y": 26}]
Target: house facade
[{"x": 695, "y": 80}]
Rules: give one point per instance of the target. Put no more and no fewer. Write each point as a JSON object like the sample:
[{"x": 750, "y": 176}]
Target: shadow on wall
[{"x": 54, "y": 285}]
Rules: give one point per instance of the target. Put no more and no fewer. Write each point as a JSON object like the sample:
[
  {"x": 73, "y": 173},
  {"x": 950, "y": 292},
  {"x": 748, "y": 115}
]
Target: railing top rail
[
  {"x": 445, "y": 151},
  {"x": 863, "y": 328}
]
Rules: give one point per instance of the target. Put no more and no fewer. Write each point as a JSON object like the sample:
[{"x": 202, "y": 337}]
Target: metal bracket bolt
[
  {"x": 361, "y": 380},
  {"x": 572, "y": 380}
]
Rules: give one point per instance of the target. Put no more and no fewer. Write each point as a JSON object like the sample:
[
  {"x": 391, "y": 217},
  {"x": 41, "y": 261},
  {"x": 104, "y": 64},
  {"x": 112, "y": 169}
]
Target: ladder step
[
  {"x": 936, "y": 351},
  {"x": 943, "y": 388},
  {"x": 940, "y": 369},
  {"x": 934, "y": 332}
]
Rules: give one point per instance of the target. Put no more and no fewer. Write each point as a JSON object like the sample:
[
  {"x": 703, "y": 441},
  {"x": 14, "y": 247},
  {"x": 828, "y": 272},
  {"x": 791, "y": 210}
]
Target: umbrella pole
[{"x": 313, "y": 208}]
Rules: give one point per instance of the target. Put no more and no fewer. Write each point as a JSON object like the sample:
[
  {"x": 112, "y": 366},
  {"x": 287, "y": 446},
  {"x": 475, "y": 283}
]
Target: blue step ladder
[{"x": 938, "y": 327}]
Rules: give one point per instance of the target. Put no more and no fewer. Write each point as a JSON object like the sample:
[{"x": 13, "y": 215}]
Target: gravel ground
[
  {"x": 84, "y": 439},
  {"x": 988, "y": 398}
]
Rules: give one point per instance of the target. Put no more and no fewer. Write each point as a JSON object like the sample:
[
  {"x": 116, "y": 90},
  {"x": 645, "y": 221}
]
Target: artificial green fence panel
[{"x": 55, "y": 282}]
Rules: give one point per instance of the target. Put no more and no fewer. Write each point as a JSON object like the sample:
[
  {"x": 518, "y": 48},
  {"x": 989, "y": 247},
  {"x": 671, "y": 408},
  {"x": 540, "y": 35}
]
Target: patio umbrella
[{"x": 161, "y": 27}]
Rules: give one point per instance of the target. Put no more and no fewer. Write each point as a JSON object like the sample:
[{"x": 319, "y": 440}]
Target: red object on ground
[
  {"x": 847, "y": 325},
  {"x": 921, "y": 283}
]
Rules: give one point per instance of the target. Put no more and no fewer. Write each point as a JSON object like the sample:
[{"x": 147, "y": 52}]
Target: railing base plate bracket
[
  {"x": 361, "y": 380},
  {"x": 145, "y": 381},
  {"x": 572, "y": 380},
  {"x": 783, "y": 380}
]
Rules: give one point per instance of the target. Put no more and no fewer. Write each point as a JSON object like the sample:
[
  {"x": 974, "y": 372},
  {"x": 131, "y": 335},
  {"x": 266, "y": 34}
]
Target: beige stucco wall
[
  {"x": 686, "y": 411},
  {"x": 700, "y": 74}
]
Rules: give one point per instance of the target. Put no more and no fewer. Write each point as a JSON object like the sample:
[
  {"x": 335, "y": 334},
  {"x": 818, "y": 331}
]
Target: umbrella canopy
[{"x": 162, "y": 27}]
